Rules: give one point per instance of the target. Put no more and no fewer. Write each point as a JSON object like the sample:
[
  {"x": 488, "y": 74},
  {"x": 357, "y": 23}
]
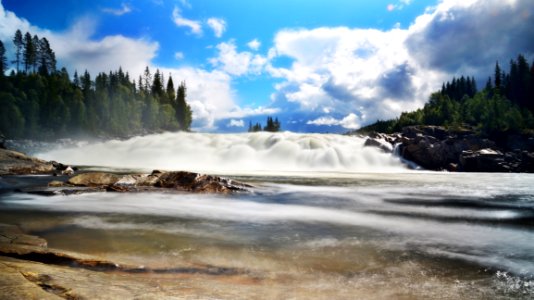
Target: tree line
[
  {"x": 40, "y": 102},
  {"x": 505, "y": 104},
  {"x": 272, "y": 125}
]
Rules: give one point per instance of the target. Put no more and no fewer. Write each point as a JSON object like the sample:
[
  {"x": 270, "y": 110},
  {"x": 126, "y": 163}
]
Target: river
[{"x": 328, "y": 218}]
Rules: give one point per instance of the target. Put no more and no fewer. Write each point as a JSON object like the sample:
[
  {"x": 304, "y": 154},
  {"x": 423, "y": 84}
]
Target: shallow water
[{"x": 427, "y": 234}]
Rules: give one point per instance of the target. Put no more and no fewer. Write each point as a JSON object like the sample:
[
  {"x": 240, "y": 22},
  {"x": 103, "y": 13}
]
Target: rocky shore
[
  {"x": 436, "y": 148},
  {"x": 66, "y": 180}
]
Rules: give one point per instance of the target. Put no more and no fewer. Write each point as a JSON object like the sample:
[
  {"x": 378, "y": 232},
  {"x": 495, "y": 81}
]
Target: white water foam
[{"x": 247, "y": 152}]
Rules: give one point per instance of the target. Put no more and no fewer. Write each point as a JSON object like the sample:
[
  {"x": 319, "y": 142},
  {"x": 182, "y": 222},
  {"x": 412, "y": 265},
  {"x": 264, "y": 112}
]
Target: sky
[{"x": 319, "y": 66}]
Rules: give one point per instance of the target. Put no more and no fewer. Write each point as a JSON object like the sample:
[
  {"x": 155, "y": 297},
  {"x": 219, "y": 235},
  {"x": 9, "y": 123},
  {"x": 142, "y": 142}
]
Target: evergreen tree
[
  {"x": 183, "y": 110},
  {"x": 147, "y": 80},
  {"x": 3, "y": 59},
  {"x": 157, "y": 86},
  {"x": 19, "y": 44},
  {"x": 171, "y": 92},
  {"x": 29, "y": 53}
]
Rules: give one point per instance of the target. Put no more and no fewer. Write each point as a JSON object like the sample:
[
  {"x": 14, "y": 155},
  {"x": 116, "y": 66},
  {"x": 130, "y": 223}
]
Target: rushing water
[{"x": 326, "y": 213}]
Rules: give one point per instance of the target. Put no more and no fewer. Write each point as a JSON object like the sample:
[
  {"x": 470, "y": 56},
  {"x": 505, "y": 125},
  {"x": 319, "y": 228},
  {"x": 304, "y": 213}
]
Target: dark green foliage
[
  {"x": 272, "y": 125},
  {"x": 48, "y": 105},
  {"x": 506, "y": 106}
]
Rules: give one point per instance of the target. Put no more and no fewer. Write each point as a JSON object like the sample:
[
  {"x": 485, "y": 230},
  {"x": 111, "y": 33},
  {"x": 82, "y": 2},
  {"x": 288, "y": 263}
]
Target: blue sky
[{"x": 320, "y": 66}]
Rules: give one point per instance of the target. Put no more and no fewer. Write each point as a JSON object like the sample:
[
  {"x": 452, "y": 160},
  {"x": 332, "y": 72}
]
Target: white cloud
[
  {"x": 217, "y": 25},
  {"x": 179, "y": 55},
  {"x": 349, "y": 122},
  {"x": 125, "y": 8},
  {"x": 254, "y": 44},
  {"x": 236, "y": 123},
  {"x": 378, "y": 74},
  {"x": 76, "y": 49},
  {"x": 237, "y": 63},
  {"x": 180, "y": 21}
]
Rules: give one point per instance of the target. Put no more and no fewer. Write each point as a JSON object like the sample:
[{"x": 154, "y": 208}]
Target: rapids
[{"x": 233, "y": 153}]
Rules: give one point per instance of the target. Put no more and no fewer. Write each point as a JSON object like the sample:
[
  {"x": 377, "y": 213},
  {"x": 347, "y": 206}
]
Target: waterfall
[{"x": 245, "y": 152}]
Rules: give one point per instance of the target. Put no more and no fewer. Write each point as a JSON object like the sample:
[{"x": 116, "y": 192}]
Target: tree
[
  {"x": 183, "y": 110},
  {"x": 157, "y": 86},
  {"x": 17, "y": 41},
  {"x": 171, "y": 92},
  {"x": 29, "y": 53},
  {"x": 3, "y": 60},
  {"x": 147, "y": 79}
]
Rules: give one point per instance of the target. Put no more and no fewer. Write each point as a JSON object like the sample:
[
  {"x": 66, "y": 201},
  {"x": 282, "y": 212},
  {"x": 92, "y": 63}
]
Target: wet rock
[
  {"x": 11, "y": 234},
  {"x": 94, "y": 179},
  {"x": 199, "y": 183},
  {"x": 485, "y": 160},
  {"x": 381, "y": 144},
  {"x": 56, "y": 183}
]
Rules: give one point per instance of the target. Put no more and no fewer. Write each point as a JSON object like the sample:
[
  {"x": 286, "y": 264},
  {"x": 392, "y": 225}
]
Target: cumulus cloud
[
  {"x": 180, "y": 21},
  {"x": 217, "y": 25},
  {"x": 237, "y": 63},
  {"x": 348, "y": 122},
  {"x": 469, "y": 36},
  {"x": 377, "y": 74},
  {"x": 124, "y": 9},
  {"x": 236, "y": 123},
  {"x": 254, "y": 44}
]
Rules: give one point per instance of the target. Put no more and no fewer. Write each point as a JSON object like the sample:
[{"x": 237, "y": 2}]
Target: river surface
[{"x": 327, "y": 218}]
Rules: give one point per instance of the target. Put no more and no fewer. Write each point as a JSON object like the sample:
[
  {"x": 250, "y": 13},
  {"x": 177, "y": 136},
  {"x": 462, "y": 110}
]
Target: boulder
[
  {"x": 94, "y": 179},
  {"x": 200, "y": 183},
  {"x": 484, "y": 160},
  {"x": 16, "y": 163},
  {"x": 378, "y": 143}
]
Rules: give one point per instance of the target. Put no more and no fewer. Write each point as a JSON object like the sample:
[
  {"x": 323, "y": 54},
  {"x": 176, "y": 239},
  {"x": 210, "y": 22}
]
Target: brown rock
[
  {"x": 11, "y": 234},
  {"x": 16, "y": 163},
  {"x": 200, "y": 183},
  {"x": 94, "y": 179}
]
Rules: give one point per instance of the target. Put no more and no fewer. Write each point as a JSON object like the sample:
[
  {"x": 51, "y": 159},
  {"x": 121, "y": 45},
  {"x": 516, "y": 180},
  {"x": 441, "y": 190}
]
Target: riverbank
[{"x": 437, "y": 148}]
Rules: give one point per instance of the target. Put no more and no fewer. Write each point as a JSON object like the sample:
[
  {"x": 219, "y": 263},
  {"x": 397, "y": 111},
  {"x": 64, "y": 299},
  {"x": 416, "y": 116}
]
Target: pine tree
[
  {"x": 182, "y": 109},
  {"x": 171, "y": 92},
  {"x": 19, "y": 44},
  {"x": 28, "y": 54},
  {"x": 3, "y": 60},
  {"x": 147, "y": 80},
  {"x": 157, "y": 86}
]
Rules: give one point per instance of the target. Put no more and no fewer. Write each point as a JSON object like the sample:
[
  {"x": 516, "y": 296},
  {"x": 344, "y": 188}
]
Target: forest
[
  {"x": 504, "y": 105},
  {"x": 40, "y": 102}
]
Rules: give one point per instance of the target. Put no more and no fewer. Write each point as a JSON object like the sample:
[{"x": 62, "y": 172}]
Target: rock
[
  {"x": 56, "y": 183},
  {"x": 11, "y": 234},
  {"x": 200, "y": 183},
  {"x": 68, "y": 171},
  {"x": 378, "y": 143},
  {"x": 484, "y": 160},
  {"x": 94, "y": 179},
  {"x": 181, "y": 180},
  {"x": 16, "y": 163}
]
